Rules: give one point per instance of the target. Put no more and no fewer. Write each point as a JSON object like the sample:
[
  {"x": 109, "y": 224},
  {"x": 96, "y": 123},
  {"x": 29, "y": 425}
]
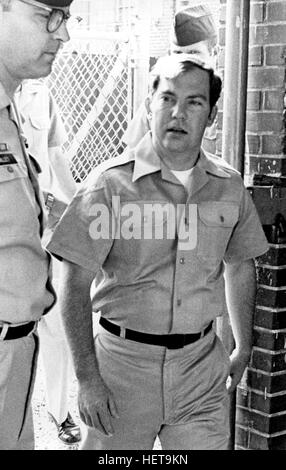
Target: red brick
[
  {"x": 269, "y": 340},
  {"x": 253, "y": 144},
  {"x": 248, "y": 439},
  {"x": 266, "y": 77},
  {"x": 271, "y": 277},
  {"x": 257, "y": 13},
  {"x": 267, "y": 166},
  {"x": 276, "y": 11},
  {"x": 264, "y": 122},
  {"x": 276, "y": 256},
  {"x": 274, "y": 100},
  {"x": 272, "y": 144},
  {"x": 242, "y": 437},
  {"x": 255, "y": 55},
  {"x": 271, "y": 319},
  {"x": 269, "y": 202},
  {"x": 268, "y": 404},
  {"x": 271, "y": 298},
  {"x": 260, "y": 422},
  {"x": 275, "y": 55},
  {"x": 266, "y": 381},
  {"x": 270, "y": 34},
  {"x": 268, "y": 362},
  {"x": 254, "y": 100}
]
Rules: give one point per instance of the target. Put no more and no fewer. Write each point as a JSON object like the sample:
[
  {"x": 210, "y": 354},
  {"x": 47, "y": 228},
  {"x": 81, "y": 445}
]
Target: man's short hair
[{"x": 172, "y": 66}]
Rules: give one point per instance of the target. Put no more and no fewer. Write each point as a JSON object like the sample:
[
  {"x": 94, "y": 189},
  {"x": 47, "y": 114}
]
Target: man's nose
[
  {"x": 179, "y": 110},
  {"x": 62, "y": 33}
]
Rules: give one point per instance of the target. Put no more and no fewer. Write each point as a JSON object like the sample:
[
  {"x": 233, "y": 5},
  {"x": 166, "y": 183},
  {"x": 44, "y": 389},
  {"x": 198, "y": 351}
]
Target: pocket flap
[
  {"x": 219, "y": 214},
  {"x": 40, "y": 121}
]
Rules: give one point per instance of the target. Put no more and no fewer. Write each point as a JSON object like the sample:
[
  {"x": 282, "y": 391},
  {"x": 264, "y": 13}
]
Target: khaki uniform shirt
[
  {"x": 155, "y": 278},
  {"x": 43, "y": 129},
  {"x": 25, "y": 289}
]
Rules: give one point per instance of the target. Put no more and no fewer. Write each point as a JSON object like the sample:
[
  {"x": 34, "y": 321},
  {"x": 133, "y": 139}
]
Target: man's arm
[
  {"x": 63, "y": 173},
  {"x": 240, "y": 296},
  {"x": 96, "y": 404}
]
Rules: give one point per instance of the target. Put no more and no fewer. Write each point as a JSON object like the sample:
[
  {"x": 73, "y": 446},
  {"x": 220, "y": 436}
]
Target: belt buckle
[
  {"x": 4, "y": 331},
  {"x": 176, "y": 341}
]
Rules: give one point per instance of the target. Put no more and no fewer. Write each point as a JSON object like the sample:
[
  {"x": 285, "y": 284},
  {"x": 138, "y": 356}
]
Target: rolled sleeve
[
  {"x": 84, "y": 233},
  {"x": 248, "y": 240}
]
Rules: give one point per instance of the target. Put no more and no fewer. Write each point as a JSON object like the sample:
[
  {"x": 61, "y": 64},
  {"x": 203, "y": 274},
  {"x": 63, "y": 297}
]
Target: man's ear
[
  {"x": 212, "y": 116},
  {"x": 148, "y": 102}
]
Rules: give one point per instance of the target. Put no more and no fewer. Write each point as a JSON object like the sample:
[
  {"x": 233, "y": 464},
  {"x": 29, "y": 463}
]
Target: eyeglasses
[{"x": 56, "y": 18}]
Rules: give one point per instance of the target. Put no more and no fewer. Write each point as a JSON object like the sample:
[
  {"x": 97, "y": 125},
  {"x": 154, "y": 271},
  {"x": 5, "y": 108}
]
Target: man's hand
[
  {"x": 238, "y": 363},
  {"x": 97, "y": 406}
]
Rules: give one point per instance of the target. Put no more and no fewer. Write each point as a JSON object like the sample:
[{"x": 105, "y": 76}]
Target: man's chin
[{"x": 42, "y": 71}]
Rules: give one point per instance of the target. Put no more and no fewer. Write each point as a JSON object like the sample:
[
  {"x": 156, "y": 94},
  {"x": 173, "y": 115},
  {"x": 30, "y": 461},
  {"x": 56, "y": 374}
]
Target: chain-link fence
[{"x": 92, "y": 84}]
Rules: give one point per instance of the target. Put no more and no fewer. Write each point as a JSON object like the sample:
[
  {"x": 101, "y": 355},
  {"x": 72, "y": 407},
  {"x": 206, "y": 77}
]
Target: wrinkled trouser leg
[
  {"x": 178, "y": 395},
  {"x": 17, "y": 375},
  {"x": 55, "y": 357}
]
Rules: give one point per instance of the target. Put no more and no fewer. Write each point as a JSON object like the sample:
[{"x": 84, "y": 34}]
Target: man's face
[
  {"x": 180, "y": 113},
  {"x": 27, "y": 49}
]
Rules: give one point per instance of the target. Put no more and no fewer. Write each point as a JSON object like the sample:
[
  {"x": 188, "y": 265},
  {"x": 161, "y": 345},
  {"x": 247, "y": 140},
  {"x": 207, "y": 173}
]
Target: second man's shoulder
[
  {"x": 125, "y": 160},
  {"x": 222, "y": 164}
]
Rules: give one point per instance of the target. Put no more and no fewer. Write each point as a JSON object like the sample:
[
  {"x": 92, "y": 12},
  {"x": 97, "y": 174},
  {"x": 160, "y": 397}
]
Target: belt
[
  {"x": 15, "y": 332},
  {"x": 173, "y": 341}
]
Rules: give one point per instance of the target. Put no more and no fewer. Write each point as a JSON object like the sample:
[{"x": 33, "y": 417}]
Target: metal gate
[{"x": 92, "y": 84}]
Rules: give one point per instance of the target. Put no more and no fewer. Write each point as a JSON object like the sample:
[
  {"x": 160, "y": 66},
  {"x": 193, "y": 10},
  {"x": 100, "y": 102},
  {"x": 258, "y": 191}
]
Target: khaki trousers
[
  {"x": 177, "y": 395},
  {"x": 17, "y": 375}
]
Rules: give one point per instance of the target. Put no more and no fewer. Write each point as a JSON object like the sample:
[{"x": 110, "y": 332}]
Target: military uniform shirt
[
  {"x": 25, "y": 289},
  {"x": 152, "y": 280}
]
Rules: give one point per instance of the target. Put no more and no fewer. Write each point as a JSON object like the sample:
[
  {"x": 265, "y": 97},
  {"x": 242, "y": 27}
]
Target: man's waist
[
  {"x": 10, "y": 331},
  {"x": 170, "y": 341}
]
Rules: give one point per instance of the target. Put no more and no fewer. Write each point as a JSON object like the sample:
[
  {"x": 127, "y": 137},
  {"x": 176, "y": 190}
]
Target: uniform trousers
[
  {"x": 18, "y": 359},
  {"x": 55, "y": 358},
  {"x": 176, "y": 395}
]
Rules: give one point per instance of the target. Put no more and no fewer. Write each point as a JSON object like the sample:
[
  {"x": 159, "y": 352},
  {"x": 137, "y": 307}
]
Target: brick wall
[{"x": 261, "y": 395}]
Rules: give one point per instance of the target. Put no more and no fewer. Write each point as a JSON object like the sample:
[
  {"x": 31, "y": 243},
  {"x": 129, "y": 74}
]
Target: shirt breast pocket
[
  {"x": 215, "y": 226},
  {"x": 37, "y": 131},
  {"x": 40, "y": 122}
]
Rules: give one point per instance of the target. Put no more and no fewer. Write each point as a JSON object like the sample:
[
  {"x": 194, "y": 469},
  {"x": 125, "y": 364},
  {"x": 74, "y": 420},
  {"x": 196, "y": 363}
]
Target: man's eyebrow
[
  {"x": 199, "y": 95},
  {"x": 167, "y": 92}
]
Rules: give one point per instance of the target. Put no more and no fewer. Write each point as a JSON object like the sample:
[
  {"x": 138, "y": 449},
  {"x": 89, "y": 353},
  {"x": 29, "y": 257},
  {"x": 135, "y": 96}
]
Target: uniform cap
[
  {"x": 56, "y": 3},
  {"x": 193, "y": 25},
  {"x": 169, "y": 63}
]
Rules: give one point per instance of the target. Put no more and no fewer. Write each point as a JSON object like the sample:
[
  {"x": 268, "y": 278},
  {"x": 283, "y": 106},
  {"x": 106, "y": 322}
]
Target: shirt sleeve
[
  {"x": 84, "y": 235},
  {"x": 248, "y": 239}
]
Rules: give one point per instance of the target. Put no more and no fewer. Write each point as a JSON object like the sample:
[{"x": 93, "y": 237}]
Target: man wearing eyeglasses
[{"x": 31, "y": 34}]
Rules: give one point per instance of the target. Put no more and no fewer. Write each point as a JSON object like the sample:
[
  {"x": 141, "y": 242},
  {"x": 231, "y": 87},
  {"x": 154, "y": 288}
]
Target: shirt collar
[
  {"x": 4, "y": 98},
  {"x": 31, "y": 86},
  {"x": 147, "y": 161}
]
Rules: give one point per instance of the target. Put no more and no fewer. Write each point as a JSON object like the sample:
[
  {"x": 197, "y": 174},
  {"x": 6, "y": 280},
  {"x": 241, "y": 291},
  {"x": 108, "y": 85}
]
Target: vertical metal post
[
  {"x": 234, "y": 120},
  {"x": 142, "y": 52},
  {"x": 235, "y": 82}
]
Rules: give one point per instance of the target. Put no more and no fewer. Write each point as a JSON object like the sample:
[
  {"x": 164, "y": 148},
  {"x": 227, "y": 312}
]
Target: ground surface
[{"x": 45, "y": 430}]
